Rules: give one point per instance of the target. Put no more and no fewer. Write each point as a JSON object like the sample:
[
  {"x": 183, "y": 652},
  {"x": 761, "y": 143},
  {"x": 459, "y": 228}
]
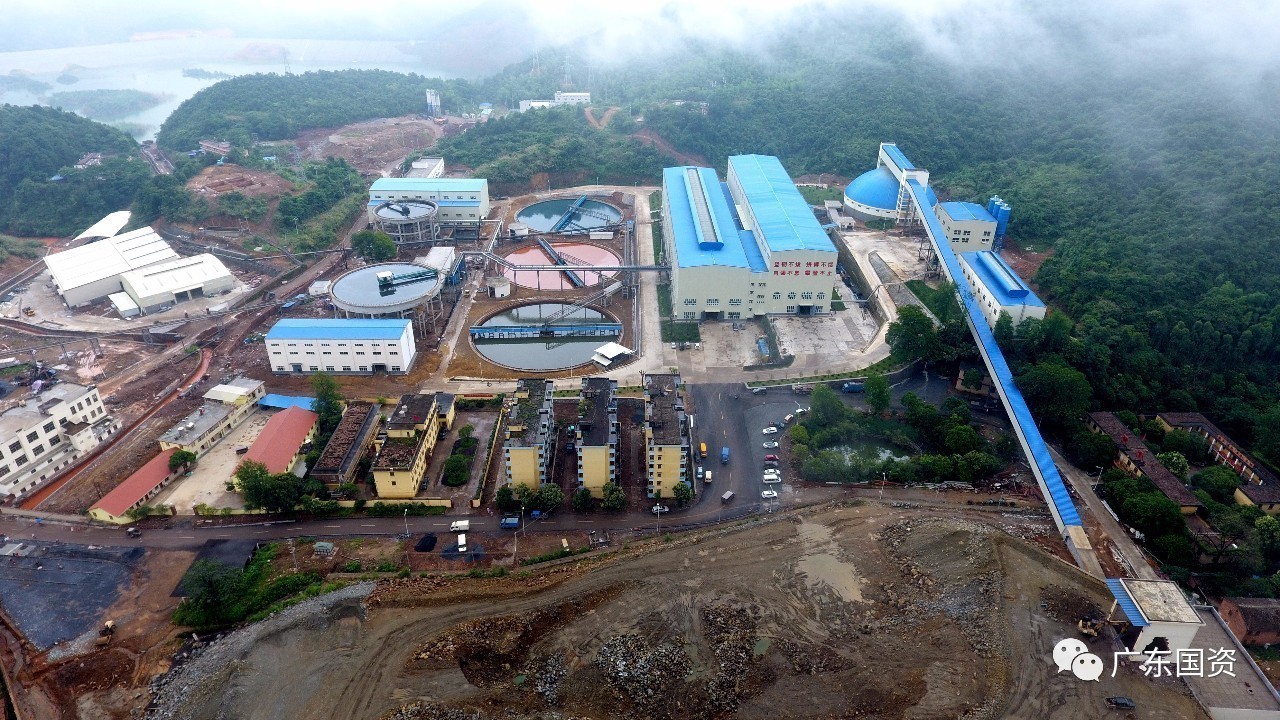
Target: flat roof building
[
  {"x": 967, "y": 226},
  {"x": 461, "y": 201},
  {"x": 997, "y": 288},
  {"x": 427, "y": 167},
  {"x": 340, "y": 458},
  {"x": 1153, "y": 609},
  {"x": 41, "y": 434},
  {"x": 666, "y": 433},
  {"x": 341, "y": 345},
  {"x": 597, "y": 434},
  {"x": 530, "y": 433},
  {"x": 412, "y": 431},
  {"x": 745, "y": 247},
  {"x": 225, "y": 407},
  {"x": 91, "y": 272}
]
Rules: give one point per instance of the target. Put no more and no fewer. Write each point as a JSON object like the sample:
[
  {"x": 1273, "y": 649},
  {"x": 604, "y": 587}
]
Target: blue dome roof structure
[{"x": 878, "y": 189}]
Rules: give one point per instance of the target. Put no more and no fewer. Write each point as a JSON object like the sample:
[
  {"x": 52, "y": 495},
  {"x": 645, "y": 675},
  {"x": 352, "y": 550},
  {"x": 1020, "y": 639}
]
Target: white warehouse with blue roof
[
  {"x": 341, "y": 346},
  {"x": 745, "y": 247},
  {"x": 460, "y": 201},
  {"x": 997, "y": 288}
]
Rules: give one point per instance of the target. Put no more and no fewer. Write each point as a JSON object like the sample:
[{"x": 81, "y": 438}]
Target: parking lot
[{"x": 207, "y": 484}]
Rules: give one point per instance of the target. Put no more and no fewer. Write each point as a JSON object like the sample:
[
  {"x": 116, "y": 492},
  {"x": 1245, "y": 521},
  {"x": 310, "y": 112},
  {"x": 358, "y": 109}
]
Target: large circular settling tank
[
  {"x": 363, "y": 293},
  {"x": 409, "y": 221},
  {"x": 572, "y": 253},
  {"x": 542, "y": 217},
  {"x": 542, "y": 354}
]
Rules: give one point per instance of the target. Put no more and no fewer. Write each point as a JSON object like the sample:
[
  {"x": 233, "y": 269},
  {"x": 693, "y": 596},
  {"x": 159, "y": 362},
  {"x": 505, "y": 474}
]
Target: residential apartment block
[
  {"x": 225, "y": 407},
  {"x": 666, "y": 434},
  {"x": 411, "y": 435},
  {"x": 530, "y": 433},
  {"x": 597, "y": 434}
]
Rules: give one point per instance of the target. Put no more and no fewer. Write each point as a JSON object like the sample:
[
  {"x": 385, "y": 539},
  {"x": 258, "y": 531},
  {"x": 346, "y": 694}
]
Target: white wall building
[
  {"x": 168, "y": 283},
  {"x": 462, "y": 201},
  {"x": 92, "y": 272},
  {"x": 108, "y": 226},
  {"x": 969, "y": 227},
  {"x": 427, "y": 167},
  {"x": 296, "y": 345},
  {"x": 225, "y": 407},
  {"x": 1155, "y": 609},
  {"x": 746, "y": 247},
  {"x": 571, "y": 98},
  {"x": 526, "y": 105},
  {"x": 44, "y": 433},
  {"x": 997, "y": 288}
]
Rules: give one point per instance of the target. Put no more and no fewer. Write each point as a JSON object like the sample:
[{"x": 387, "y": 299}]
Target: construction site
[{"x": 845, "y": 610}]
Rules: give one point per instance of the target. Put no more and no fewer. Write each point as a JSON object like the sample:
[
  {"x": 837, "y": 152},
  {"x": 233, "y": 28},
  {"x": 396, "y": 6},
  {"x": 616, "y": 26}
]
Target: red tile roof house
[
  {"x": 280, "y": 443},
  {"x": 1256, "y": 621},
  {"x": 139, "y": 487}
]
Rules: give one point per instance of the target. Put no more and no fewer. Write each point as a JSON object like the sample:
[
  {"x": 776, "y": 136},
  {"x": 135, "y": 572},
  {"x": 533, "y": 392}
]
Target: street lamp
[
  {"x": 406, "y": 523},
  {"x": 883, "y": 479}
]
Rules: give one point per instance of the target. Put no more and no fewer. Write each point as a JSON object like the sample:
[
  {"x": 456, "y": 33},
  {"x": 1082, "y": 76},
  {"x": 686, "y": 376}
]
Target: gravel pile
[
  {"x": 193, "y": 685},
  {"x": 642, "y": 673}
]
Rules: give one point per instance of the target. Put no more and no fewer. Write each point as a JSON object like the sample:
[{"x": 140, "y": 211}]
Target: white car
[
  {"x": 768, "y": 494},
  {"x": 772, "y": 477},
  {"x": 659, "y": 509},
  {"x": 770, "y": 431},
  {"x": 771, "y": 445}
]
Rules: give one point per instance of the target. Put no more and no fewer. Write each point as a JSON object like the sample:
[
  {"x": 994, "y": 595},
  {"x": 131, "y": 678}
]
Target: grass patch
[
  {"x": 548, "y": 557},
  {"x": 819, "y": 195},
  {"x": 936, "y": 299},
  {"x": 687, "y": 331}
]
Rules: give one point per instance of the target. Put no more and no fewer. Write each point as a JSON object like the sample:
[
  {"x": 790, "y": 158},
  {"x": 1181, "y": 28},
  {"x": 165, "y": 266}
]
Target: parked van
[
  {"x": 726, "y": 497},
  {"x": 462, "y": 543},
  {"x": 702, "y": 449},
  {"x": 460, "y": 526},
  {"x": 707, "y": 477}
]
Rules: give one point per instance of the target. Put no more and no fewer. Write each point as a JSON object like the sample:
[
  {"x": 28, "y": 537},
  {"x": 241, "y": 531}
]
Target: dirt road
[{"x": 865, "y": 611}]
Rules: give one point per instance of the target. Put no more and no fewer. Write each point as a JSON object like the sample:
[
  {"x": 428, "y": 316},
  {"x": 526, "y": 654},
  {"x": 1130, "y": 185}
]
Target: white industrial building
[
  {"x": 167, "y": 283},
  {"x": 91, "y": 272},
  {"x": 427, "y": 167},
  {"x": 461, "y": 201},
  {"x": 744, "y": 247},
  {"x": 571, "y": 98},
  {"x": 225, "y": 407},
  {"x": 107, "y": 227},
  {"x": 969, "y": 227},
  {"x": 45, "y": 432},
  {"x": 997, "y": 288},
  {"x": 335, "y": 345}
]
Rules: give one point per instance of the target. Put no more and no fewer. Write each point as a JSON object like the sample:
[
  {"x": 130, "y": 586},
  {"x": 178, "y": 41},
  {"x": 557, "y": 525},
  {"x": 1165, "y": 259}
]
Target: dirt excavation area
[{"x": 860, "y": 611}]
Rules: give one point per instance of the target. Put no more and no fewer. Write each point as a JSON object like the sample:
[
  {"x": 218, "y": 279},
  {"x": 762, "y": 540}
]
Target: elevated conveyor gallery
[
  {"x": 572, "y": 276},
  {"x": 1060, "y": 506}
]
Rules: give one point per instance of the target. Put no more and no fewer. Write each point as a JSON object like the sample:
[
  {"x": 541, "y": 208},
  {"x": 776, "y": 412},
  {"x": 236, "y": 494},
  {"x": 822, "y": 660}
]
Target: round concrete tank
[
  {"x": 410, "y": 222},
  {"x": 385, "y": 289}
]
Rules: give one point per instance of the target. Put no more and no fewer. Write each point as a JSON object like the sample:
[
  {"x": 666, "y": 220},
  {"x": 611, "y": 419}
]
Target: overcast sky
[{"x": 1240, "y": 35}]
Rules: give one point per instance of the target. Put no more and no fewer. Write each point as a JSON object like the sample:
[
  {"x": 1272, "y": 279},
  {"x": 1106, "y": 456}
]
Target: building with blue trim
[
  {"x": 968, "y": 226},
  {"x": 744, "y": 247},
  {"x": 997, "y": 288},
  {"x": 461, "y": 201},
  {"x": 881, "y": 193},
  {"x": 341, "y": 346}
]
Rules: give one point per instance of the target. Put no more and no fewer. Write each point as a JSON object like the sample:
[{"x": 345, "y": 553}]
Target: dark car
[{"x": 1119, "y": 702}]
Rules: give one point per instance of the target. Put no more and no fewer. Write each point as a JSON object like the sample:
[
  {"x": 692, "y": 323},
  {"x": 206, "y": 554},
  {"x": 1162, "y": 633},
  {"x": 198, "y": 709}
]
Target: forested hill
[
  {"x": 38, "y": 143},
  {"x": 277, "y": 107}
]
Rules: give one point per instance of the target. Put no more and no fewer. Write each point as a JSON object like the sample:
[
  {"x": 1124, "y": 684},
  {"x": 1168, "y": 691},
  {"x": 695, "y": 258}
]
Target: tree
[
  {"x": 465, "y": 431},
  {"x": 799, "y": 434},
  {"x": 457, "y": 470},
  {"x": 525, "y": 496},
  {"x": 1058, "y": 394},
  {"x": 261, "y": 490},
  {"x": 374, "y": 245},
  {"x": 506, "y": 499},
  {"x": 1230, "y": 528},
  {"x": 1220, "y": 482},
  {"x": 548, "y": 497},
  {"x": 973, "y": 378},
  {"x": 913, "y": 336},
  {"x": 1174, "y": 549},
  {"x": 582, "y": 501},
  {"x": 800, "y": 452},
  {"x": 1154, "y": 514},
  {"x": 212, "y": 589},
  {"x": 1175, "y": 463},
  {"x": 825, "y": 408},
  {"x": 1267, "y": 531},
  {"x": 180, "y": 458},
  {"x": 876, "y": 391},
  {"x": 1003, "y": 332},
  {"x": 1089, "y": 450},
  {"x": 682, "y": 493},
  {"x": 328, "y": 402},
  {"x": 962, "y": 439},
  {"x": 614, "y": 498},
  {"x": 1192, "y": 446}
]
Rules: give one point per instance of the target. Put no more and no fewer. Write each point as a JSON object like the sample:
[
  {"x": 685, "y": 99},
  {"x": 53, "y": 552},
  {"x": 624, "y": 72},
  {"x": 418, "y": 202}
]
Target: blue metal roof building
[
  {"x": 966, "y": 211},
  {"x": 1000, "y": 279},
  {"x": 338, "y": 329},
  {"x": 463, "y": 185},
  {"x": 782, "y": 218},
  {"x": 874, "y": 194},
  {"x": 1126, "y": 603},
  {"x": 703, "y": 228},
  {"x": 274, "y": 400}
]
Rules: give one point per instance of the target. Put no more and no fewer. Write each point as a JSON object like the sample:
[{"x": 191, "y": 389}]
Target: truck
[
  {"x": 460, "y": 526},
  {"x": 852, "y": 387},
  {"x": 724, "y": 456},
  {"x": 510, "y": 522},
  {"x": 802, "y": 389},
  {"x": 702, "y": 449}
]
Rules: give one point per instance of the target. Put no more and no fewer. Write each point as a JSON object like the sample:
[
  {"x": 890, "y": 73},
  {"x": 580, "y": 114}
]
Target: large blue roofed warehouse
[{"x": 744, "y": 247}]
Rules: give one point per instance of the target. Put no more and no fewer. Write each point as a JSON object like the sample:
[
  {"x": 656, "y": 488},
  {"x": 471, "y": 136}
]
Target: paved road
[{"x": 1083, "y": 486}]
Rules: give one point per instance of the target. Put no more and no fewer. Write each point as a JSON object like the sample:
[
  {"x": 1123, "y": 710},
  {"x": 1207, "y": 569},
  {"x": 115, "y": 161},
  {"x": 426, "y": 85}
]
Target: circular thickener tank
[
  {"x": 384, "y": 289},
  {"x": 410, "y": 221},
  {"x": 542, "y": 354},
  {"x": 542, "y": 217},
  {"x": 573, "y": 253}
]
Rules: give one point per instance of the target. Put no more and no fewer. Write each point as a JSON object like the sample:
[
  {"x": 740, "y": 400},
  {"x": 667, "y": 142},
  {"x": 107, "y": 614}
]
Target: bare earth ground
[
  {"x": 833, "y": 612},
  {"x": 1025, "y": 262}
]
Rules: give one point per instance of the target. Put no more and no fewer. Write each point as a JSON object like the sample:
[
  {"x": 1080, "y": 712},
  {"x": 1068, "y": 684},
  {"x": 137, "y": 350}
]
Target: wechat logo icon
[{"x": 1072, "y": 654}]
